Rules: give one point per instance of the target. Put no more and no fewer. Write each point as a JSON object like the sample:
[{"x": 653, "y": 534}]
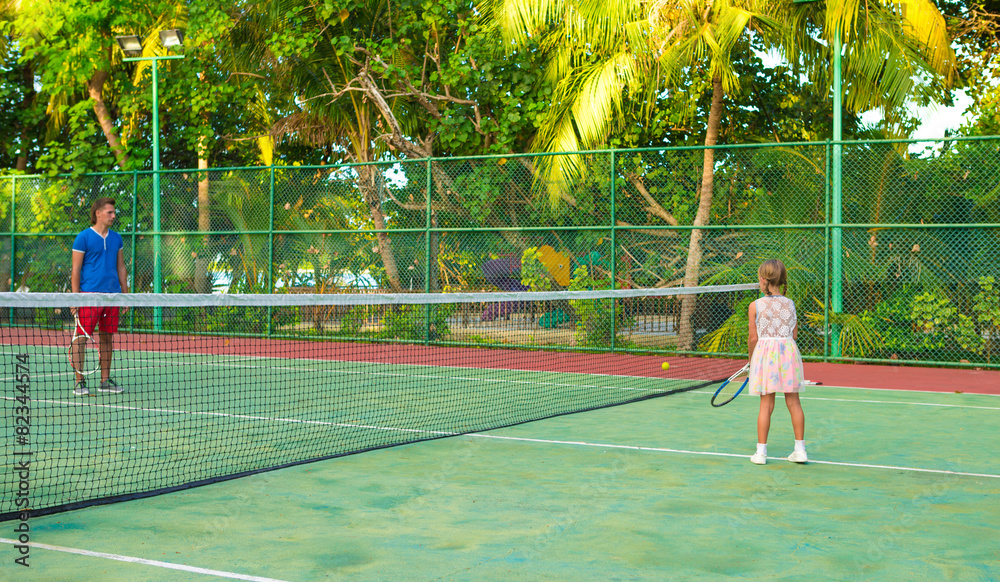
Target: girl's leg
[
  {"x": 798, "y": 417},
  {"x": 764, "y": 417}
]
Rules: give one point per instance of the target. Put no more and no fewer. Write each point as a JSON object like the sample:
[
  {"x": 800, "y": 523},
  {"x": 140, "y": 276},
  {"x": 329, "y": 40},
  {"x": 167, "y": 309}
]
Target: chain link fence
[{"x": 919, "y": 280}]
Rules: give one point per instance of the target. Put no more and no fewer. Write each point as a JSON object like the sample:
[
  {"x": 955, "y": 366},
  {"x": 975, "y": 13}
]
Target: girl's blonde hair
[{"x": 773, "y": 271}]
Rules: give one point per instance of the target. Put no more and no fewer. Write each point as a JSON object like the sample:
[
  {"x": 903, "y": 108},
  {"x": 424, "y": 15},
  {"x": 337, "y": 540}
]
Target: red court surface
[
  {"x": 617, "y": 364},
  {"x": 905, "y": 377}
]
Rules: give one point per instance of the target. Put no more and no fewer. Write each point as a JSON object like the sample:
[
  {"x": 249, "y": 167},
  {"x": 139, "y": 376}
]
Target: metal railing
[{"x": 914, "y": 279}]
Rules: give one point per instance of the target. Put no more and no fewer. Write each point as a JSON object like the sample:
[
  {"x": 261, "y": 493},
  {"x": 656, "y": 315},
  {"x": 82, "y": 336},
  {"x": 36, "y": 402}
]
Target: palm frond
[{"x": 858, "y": 336}]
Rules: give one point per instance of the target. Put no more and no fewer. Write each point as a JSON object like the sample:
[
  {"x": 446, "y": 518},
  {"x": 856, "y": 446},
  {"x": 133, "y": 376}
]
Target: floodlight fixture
[
  {"x": 131, "y": 45},
  {"x": 172, "y": 37},
  {"x": 132, "y": 48}
]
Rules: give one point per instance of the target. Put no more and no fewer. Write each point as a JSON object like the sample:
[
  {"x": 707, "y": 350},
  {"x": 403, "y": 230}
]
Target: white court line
[
  {"x": 525, "y": 439},
  {"x": 170, "y": 353},
  {"x": 652, "y": 378},
  {"x": 144, "y": 561},
  {"x": 389, "y": 374},
  {"x": 909, "y": 390},
  {"x": 239, "y": 416},
  {"x": 735, "y": 455},
  {"x": 909, "y": 403},
  {"x": 882, "y": 402}
]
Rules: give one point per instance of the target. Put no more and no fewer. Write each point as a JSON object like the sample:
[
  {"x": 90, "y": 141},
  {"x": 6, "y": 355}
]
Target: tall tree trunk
[
  {"x": 372, "y": 197},
  {"x": 201, "y": 284},
  {"x": 95, "y": 86},
  {"x": 702, "y": 218}
]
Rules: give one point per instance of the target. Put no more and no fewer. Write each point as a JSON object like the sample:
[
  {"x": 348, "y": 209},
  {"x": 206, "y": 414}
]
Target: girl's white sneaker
[
  {"x": 758, "y": 459},
  {"x": 798, "y": 457}
]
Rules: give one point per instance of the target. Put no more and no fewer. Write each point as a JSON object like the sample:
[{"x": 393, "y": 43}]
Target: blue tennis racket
[{"x": 728, "y": 391}]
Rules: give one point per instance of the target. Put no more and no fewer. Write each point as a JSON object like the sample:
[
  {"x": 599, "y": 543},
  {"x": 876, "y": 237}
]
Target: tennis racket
[
  {"x": 89, "y": 348},
  {"x": 728, "y": 391}
]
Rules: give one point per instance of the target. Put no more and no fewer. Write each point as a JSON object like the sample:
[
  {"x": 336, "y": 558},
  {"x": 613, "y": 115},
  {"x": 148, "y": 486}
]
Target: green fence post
[
  {"x": 427, "y": 251},
  {"x": 837, "y": 299},
  {"x": 827, "y": 334},
  {"x": 614, "y": 253},
  {"x": 270, "y": 251},
  {"x": 13, "y": 239},
  {"x": 135, "y": 204}
]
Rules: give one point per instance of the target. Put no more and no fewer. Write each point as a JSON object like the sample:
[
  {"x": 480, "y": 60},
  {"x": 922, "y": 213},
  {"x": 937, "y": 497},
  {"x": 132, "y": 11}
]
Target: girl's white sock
[
  {"x": 799, "y": 445},
  {"x": 762, "y": 449}
]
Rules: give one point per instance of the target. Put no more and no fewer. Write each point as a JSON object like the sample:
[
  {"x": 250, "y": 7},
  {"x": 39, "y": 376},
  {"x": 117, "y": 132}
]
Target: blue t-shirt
[{"x": 99, "y": 273}]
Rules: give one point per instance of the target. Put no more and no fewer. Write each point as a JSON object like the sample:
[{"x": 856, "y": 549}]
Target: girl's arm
[
  {"x": 795, "y": 323},
  {"x": 752, "y": 332}
]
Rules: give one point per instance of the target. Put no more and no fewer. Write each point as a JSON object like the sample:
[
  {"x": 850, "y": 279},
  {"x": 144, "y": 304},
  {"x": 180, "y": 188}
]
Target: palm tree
[
  {"x": 887, "y": 48},
  {"x": 635, "y": 48},
  {"x": 346, "y": 119},
  {"x": 73, "y": 50},
  {"x": 601, "y": 52}
]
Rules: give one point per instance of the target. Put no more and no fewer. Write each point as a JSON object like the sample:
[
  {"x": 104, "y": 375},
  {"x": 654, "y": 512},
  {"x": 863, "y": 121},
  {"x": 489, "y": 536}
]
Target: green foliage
[
  {"x": 533, "y": 273},
  {"x": 937, "y": 324},
  {"x": 931, "y": 314},
  {"x": 597, "y": 320},
  {"x": 922, "y": 325},
  {"x": 860, "y": 336},
  {"x": 987, "y": 303},
  {"x": 222, "y": 320},
  {"x": 986, "y": 306},
  {"x": 410, "y": 322},
  {"x": 731, "y": 336},
  {"x": 354, "y": 320},
  {"x": 459, "y": 268}
]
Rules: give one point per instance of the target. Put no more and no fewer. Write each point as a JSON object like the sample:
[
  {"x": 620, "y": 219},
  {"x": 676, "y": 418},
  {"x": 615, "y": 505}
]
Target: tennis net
[{"x": 220, "y": 386}]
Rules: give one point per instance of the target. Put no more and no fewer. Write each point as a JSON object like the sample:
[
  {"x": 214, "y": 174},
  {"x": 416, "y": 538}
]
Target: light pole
[{"x": 132, "y": 49}]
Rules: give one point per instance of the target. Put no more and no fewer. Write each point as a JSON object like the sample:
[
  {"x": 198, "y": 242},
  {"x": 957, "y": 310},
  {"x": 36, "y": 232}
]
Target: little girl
[{"x": 775, "y": 362}]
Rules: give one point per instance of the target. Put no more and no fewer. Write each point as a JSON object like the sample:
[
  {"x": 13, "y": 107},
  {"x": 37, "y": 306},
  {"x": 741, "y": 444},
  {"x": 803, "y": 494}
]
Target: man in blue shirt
[{"x": 98, "y": 267}]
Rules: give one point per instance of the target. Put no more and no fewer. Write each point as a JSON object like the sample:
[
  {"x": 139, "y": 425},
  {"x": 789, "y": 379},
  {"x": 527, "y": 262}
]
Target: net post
[
  {"x": 270, "y": 249},
  {"x": 614, "y": 252},
  {"x": 427, "y": 253}
]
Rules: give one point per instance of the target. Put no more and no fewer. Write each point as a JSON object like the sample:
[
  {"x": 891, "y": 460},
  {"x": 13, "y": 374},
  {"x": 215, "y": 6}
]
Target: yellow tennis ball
[{"x": 666, "y": 365}]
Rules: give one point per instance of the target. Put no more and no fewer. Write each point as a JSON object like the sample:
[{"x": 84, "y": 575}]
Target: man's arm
[
  {"x": 122, "y": 271},
  {"x": 74, "y": 277}
]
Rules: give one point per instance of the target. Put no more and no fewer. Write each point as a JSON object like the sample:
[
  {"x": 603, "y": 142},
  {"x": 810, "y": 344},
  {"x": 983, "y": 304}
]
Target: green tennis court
[
  {"x": 901, "y": 486},
  {"x": 191, "y": 418}
]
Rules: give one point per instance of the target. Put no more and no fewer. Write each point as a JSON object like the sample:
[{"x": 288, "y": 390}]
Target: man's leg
[
  {"x": 76, "y": 356},
  {"x": 109, "y": 326},
  {"x": 106, "y": 349},
  {"x": 78, "y": 348}
]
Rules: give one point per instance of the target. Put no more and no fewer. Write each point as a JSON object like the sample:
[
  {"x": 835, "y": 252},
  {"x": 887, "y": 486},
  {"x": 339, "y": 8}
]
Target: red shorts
[{"x": 103, "y": 318}]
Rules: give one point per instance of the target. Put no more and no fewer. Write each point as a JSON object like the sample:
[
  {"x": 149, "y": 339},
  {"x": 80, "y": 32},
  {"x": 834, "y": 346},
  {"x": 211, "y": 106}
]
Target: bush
[
  {"x": 925, "y": 325},
  {"x": 596, "y": 324},
  {"x": 409, "y": 322}
]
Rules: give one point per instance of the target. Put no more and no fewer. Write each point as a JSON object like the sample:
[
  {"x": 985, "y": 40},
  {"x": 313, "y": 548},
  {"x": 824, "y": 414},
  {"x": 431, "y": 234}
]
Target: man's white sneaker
[
  {"x": 798, "y": 457},
  {"x": 758, "y": 459}
]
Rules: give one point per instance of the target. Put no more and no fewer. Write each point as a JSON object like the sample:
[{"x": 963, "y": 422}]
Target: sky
[{"x": 936, "y": 119}]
